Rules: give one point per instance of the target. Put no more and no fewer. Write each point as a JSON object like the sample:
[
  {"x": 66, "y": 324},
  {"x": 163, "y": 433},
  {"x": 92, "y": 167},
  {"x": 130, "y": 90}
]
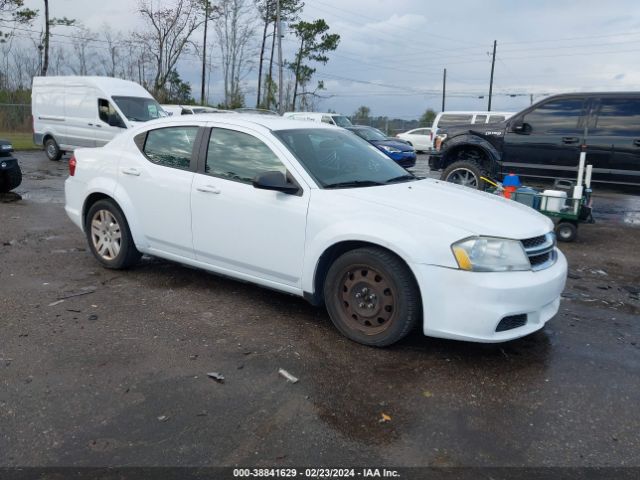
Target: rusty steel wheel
[
  {"x": 371, "y": 296},
  {"x": 367, "y": 299}
]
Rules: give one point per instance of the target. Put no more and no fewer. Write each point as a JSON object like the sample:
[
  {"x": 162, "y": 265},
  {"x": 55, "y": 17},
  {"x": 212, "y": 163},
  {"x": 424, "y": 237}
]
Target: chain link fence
[{"x": 15, "y": 118}]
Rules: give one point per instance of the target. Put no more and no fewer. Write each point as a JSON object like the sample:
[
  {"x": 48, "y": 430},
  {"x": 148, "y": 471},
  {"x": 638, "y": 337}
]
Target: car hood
[
  {"x": 400, "y": 145},
  {"x": 477, "y": 213}
]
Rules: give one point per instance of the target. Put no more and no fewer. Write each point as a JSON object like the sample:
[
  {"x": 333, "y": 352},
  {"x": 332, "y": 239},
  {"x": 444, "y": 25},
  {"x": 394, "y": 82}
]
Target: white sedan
[
  {"x": 420, "y": 138},
  {"x": 315, "y": 211}
]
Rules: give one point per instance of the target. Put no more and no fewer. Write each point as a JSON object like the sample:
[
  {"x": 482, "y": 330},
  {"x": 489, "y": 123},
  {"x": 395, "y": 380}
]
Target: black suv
[
  {"x": 10, "y": 173},
  {"x": 545, "y": 141}
]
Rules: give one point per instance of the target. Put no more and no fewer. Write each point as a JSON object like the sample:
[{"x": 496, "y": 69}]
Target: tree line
[{"x": 244, "y": 37}]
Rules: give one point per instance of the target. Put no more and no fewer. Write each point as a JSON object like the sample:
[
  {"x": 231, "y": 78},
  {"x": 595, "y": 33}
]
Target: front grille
[
  {"x": 511, "y": 322},
  {"x": 534, "y": 242},
  {"x": 541, "y": 251}
]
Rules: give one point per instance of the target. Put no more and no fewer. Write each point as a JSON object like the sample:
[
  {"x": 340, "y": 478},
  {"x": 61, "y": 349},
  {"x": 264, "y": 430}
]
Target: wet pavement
[{"x": 102, "y": 367}]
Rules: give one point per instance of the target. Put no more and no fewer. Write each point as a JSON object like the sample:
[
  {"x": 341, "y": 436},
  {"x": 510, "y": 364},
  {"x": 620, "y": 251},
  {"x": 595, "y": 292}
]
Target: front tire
[
  {"x": 372, "y": 297},
  {"x": 109, "y": 236},
  {"x": 52, "y": 149},
  {"x": 467, "y": 173}
]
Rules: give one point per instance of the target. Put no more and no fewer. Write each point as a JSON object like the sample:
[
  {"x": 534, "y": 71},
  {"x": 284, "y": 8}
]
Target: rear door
[
  {"x": 614, "y": 135},
  {"x": 549, "y": 141},
  {"x": 156, "y": 179}
]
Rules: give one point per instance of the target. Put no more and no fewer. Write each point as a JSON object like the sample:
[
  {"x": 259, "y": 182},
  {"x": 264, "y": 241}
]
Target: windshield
[
  {"x": 369, "y": 134},
  {"x": 341, "y": 121},
  {"x": 338, "y": 159},
  {"x": 139, "y": 109}
]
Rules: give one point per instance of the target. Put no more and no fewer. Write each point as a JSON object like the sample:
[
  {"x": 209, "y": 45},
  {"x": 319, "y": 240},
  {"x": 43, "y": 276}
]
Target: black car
[
  {"x": 545, "y": 141},
  {"x": 398, "y": 150},
  {"x": 10, "y": 173}
]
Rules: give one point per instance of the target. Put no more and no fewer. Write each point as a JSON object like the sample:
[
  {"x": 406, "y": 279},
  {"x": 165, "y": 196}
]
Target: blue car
[{"x": 398, "y": 150}]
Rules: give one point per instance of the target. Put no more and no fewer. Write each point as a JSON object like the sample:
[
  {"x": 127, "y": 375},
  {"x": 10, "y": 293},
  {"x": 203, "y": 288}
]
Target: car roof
[{"x": 243, "y": 119}]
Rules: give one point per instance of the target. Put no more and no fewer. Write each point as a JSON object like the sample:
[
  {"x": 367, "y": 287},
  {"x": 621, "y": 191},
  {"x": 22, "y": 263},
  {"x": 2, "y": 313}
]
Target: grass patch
[{"x": 19, "y": 140}]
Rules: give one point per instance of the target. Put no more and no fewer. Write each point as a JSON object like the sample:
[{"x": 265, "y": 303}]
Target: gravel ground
[{"x": 105, "y": 368}]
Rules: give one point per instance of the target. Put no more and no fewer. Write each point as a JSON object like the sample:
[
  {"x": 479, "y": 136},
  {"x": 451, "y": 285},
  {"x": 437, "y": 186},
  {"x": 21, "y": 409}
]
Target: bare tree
[
  {"x": 235, "y": 29},
  {"x": 83, "y": 51},
  {"x": 168, "y": 35},
  {"x": 48, "y": 23}
]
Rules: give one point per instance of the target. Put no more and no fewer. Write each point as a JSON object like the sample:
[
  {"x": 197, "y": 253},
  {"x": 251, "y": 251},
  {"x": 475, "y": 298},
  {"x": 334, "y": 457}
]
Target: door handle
[
  {"x": 131, "y": 171},
  {"x": 90, "y": 124},
  {"x": 636, "y": 142},
  {"x": 208, "y": 189},
  {"x": 570, "y": 139},
  {"x": 98, "y": 125}
]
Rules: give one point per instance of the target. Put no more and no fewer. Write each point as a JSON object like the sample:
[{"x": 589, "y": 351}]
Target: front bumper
[
  {"x": 469, "y": 306},
  {"x": 435, "y": 160}
]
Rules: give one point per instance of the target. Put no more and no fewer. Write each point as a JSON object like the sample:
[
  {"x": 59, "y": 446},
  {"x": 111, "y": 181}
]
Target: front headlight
[
  {"x": 386, "y": 148},
  {"x": 489, "y": 254}
]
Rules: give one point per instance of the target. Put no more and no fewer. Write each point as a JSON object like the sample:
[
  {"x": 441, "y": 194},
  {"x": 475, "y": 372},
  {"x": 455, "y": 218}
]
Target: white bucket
[{"x": 553, "y": 200}]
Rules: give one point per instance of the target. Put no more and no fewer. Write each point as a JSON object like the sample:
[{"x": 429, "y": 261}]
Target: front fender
[
  {"x": 413, "y": 249},
  {"x": 469, "y": 139}
]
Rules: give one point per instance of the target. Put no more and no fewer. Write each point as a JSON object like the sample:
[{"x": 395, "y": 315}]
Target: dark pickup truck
[
  {"x": 10, "y": 173},
  {"x": 545, "y": 141}
]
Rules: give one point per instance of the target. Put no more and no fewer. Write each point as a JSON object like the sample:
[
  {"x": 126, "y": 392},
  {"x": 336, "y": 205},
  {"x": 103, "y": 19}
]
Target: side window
[
  {"x": 454, "y": 119},
  {"x": 496, "y": 118},
  {"x": 480, "y": 119},
  {"x": 327, "y": 119},
  {"x": 186, "y": 112},
  {"x": 171, "y": 146},
  {"x": 108, "y": 114},
  {"x": 618, "y": 117},
  {"x": 239, "y": 156},
  {"x": 556, "y": 115}
]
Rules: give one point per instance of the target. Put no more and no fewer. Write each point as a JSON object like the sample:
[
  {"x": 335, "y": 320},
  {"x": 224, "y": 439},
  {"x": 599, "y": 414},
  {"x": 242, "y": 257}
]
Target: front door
[
  {"x": 108, "y": 124},
  {"x": 238, "y": 229},
  {"x": 548, "y": 140}
]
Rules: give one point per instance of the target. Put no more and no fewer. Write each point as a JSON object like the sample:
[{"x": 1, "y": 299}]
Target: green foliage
[
  {"x": 177, "y": 90},
  {"x": 427, "y": 118},
  {"x": 315, "y": 43},
  {"x": 15, "y": 11},
  {"x": 362, "y": 115}
]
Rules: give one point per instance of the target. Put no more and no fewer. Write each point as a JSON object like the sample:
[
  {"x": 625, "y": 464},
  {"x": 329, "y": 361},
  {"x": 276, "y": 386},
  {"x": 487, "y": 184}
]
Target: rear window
[
  {"x": 496, "y": 118},
  {"x": 454, "y": 119},
  {"x": 480, "y": 119}
]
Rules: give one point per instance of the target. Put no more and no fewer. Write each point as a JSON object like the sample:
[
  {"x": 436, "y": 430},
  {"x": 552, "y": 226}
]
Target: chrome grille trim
[{"x": 542, "y": 251}]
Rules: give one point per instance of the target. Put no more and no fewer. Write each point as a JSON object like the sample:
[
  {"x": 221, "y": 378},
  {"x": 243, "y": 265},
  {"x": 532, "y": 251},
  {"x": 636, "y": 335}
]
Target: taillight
[{"x": 72, "y": 165}]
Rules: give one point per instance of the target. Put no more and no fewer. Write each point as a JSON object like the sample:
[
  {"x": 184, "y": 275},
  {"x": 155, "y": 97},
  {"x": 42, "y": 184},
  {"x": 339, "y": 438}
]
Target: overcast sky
[{"x": 392, "y": 53}]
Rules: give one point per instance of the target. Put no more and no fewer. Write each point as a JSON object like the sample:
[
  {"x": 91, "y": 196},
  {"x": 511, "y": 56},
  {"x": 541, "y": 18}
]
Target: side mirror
[
  {"x": 275, "y": 181},
  {"x": 522, "y": 128}
]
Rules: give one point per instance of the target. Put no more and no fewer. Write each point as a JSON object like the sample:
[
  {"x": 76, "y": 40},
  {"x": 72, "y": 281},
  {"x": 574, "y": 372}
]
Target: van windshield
[{"x": 139, "y": 109}]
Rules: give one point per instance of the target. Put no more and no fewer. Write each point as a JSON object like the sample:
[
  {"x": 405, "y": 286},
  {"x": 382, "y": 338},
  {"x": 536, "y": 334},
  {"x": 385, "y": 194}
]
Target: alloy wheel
[{"x": 106, "y": 235}]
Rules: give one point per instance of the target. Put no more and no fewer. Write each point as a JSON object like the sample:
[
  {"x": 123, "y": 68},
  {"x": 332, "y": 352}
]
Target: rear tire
[
  {"x": 372, "y": 297},
  {"x": 109, "y": 236},
  {"x": 52, "y": 149},
  {"x": 467, "y": 173}
]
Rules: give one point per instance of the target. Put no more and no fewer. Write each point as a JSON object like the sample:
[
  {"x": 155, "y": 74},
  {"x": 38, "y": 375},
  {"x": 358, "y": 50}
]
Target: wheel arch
[
  {"x": 331, "y": 253},
  {"x": 470, "y": 142}
]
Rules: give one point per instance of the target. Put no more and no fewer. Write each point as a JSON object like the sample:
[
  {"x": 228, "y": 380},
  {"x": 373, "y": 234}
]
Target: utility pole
[
  {"x": 204, "y": 51},
  {"x": 531, "y": 99},
  {"x": 280, "y": 82},
  {"x": 444, "y": 87},
  {"x": 493, "y": 64}
]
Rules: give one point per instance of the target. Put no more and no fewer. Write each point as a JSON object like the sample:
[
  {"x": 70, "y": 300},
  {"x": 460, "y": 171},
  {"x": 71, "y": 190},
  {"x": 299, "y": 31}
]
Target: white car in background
[
  {"x": 176, "y": 110},
  {"x": 315, "y": 211},
  {"x": 420, "y": 138}
]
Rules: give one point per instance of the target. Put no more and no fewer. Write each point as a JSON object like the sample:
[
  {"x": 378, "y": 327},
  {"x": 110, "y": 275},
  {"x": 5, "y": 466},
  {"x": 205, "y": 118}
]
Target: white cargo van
[
  {"x": 71, "y": 112},
  {"x": 330, "y": 118}
]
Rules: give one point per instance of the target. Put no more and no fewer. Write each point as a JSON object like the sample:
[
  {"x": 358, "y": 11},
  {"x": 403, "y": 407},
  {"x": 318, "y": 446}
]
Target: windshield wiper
[
  {"x": 354, "y": 183},
  {"x": 401, "y": 178}
]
